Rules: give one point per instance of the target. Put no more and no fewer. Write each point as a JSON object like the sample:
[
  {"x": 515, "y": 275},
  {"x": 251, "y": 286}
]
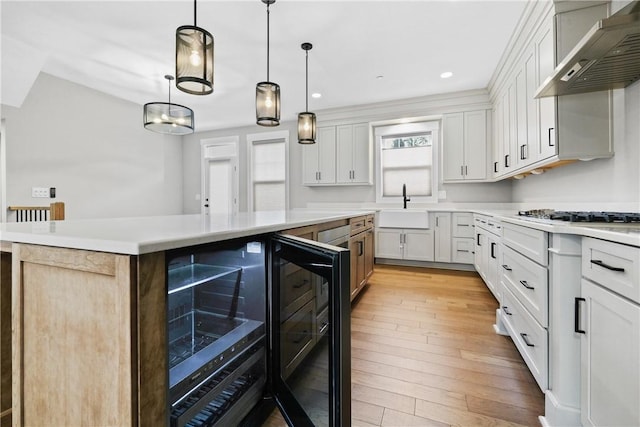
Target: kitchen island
[{"x": 89, "y": 310}]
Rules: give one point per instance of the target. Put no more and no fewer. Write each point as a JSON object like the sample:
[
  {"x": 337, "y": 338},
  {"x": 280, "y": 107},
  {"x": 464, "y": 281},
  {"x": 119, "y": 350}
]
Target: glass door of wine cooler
[{"x": 311, "y": 340}]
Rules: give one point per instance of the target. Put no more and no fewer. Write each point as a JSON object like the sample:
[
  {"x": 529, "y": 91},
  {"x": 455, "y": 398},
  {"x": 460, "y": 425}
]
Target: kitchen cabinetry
[
  {"x": 462, "y": 250},
  {"x": 341, "y": 156},
  {"x": 353, "y": 154},
  {"x": 405, "y": 244},
  {"x": 610, "y": 328},
  {"x": 442, "y": 237},
  {"x": 523, "y": 278},
  {"x": 465, "y": 146},
  {"x": 5, "y": 335},
  {"x": 538, "y": 133},
  {"x": 487, "y": 252},
  {"x": 319, "y": 159},
  {"x": 361, "y": 246}
]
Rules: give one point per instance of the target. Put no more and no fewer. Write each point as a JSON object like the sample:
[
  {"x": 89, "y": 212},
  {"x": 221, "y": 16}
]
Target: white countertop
[{"x": 142, "y": 235}]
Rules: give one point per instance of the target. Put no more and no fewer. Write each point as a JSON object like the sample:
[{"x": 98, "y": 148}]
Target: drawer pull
[
  {"x": 299, "y": 285},
  {"x": 478, "y": 239},
  {"x": 576, "y": 318},
  {"x": 463, "y": 225},
  {"x": 324, "y": 327},
  {"x": 526, "y": 285},
  {"x": 608, "y": 267},
  {"x": 504, "y": 308},
  {"x": 299, "y": 340},
  {"x": 526, "y": 339},
  {"x": 506, "y": 267},
  {"x": 462, "y": 250},
  {"x": 493, "y": 252}
]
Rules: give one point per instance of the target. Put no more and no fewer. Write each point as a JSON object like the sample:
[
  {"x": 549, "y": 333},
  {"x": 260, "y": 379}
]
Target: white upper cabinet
[
  {"x": 341, "y": 155},
  {"x": 535, "y": 133},
  {"x": 318, "y": 160},
  {"x": 353, "y": 154},
  {"x": 464, "y": 144}
]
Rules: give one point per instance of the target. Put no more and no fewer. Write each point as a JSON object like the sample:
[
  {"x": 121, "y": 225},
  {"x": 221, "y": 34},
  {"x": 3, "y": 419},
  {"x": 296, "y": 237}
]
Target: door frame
[{"x": 208, "y": 145}]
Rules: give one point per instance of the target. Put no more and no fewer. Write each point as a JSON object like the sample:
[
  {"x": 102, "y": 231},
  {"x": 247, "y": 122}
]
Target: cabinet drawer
[
  {"x": 297, "y": 337},
  {"x": 530, "y": 338},
  {"x": 528, "y": 282},
  {"x": 297, "y": 289},
  {"x": 612, "y": 265},
  {"x": 462, "y": 250},
  {"x": 322, "y": 323},
  {"x": 528, "y": 241},
  {"x": 462, "y": 225},
  {"x": 371, "y": 219},
  {"x": 358, "y": 224}
]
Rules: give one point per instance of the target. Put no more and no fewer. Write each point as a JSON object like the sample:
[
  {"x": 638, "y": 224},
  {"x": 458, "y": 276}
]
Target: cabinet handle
[
  {"x": 506, "y": 267},
  {"x": 462, "y": 225},
  {"x": 526, "y": 339},
  {"x": 504, "y": 308},
  {"x": 299, "y": 285},
  {"x": 319, "y": 176},
  {"x": 360, "y": 248},
  {"x": 299, "y": 340},
  {"x": 478, "y": 239},
  {"x": 576, "y": 316},
  {"x": 495, "y": 167},
  {"x": 324, "y": 327},
  {"x": 506, "y": 160},
  {"x": 493, "y": 254},
  {"x": 461, "y": 170},
  {"x": 522, "y": 155},
  {"x": 600, "y": 263},
  {"x": 462, "y": 250},
  {"x": 466, "y": 170},
  {"x": 550, "y": 144},
  {"x": 526, "y": 285},
  {"x": 437, "y": 218}
]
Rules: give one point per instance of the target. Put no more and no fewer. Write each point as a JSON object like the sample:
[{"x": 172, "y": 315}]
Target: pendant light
[
  {"x": 306, "y": 120},
  {"x": 168, "y": 118},
  {"x": 194, "y": 58},
  {"x": 268, "y": 93}
]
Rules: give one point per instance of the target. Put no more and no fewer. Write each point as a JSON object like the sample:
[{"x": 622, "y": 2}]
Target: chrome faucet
[{"x": 405, "y": 199}]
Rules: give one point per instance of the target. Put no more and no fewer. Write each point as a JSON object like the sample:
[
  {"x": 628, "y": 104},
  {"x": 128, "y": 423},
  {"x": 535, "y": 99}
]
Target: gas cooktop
[{"x": 584, "y": 216}]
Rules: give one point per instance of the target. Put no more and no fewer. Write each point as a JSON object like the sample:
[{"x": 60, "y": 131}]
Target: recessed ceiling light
[
  {"x": 379, "y": 77},
  {"x": 446, "y": 74},
  {"x": 316, "y": 95}
]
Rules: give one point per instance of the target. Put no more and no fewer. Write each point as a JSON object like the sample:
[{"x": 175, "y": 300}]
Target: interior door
[
  {"x": 311, "y": 366},
  {"x": 220, "y": 195}
]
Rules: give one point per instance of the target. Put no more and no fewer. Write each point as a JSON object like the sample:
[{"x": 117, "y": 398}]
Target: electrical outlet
[
  {"x": 52, "y": 192},
  {"x": 42, "y": 192}
]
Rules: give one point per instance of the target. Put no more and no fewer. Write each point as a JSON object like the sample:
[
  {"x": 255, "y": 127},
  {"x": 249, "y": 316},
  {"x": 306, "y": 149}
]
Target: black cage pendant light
[
  {"x": 194, "y": 58},
  {"x": 168, "y": 118},
  {"x": 268, "y": 93},
  {"x": 306, "y": 120}
]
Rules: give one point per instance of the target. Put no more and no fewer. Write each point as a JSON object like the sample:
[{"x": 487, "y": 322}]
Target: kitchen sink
[{"x": 403, "y": 218}]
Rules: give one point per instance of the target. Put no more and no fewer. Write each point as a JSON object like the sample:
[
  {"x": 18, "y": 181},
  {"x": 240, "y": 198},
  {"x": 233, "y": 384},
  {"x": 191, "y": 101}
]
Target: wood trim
[
  {"x": 56, "y": 211},
  {"x": 5, "y": 334},
  {"x": 152, "y": 369},
  {"x": 5, "y": 247},
  {"x": 17, "y": 342},
  {"x": 75, "y": 259}
]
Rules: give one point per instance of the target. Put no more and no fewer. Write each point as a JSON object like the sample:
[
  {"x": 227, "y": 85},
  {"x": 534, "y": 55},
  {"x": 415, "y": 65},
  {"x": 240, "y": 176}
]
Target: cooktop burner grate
[{"x": 587, "y": 216}]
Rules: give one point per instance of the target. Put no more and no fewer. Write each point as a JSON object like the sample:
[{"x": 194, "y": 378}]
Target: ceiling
[{"x": 124, "y": 48}]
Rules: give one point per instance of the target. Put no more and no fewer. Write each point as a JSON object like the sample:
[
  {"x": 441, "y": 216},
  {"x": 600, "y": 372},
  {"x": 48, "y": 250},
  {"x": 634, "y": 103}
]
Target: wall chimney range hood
[{"x": 607, "y": 57}]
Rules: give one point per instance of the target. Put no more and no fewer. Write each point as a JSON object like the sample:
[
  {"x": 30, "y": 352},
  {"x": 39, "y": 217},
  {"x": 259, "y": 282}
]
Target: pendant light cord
[
  {"x": 194, "y": 14},
  {"x": 169, "y": 83},
  {"x": 307, "y": 82},
  {"x": 267, "y": 41}
]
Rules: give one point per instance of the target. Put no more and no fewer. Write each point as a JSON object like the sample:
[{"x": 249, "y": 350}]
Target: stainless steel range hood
[{"x": 607, "y": 57}]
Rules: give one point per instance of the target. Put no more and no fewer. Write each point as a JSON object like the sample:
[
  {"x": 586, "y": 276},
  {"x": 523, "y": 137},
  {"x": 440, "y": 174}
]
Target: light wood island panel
[{"x": 90, "y": 333}]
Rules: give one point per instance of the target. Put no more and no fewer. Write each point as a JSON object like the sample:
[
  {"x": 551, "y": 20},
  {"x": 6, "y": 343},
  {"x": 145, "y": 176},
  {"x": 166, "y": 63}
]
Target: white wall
[
  {"x": 601, "y": 184},
  {"x": 93, "y": 148}
]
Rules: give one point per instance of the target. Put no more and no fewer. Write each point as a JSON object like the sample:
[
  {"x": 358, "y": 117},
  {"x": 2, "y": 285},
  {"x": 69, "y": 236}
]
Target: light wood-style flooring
[{"x": 424, "y": 353}]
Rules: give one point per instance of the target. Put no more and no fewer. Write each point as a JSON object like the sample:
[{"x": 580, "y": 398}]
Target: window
[
  {"x": 406, "y": 154},
  {"x": 268, "y": 171}
]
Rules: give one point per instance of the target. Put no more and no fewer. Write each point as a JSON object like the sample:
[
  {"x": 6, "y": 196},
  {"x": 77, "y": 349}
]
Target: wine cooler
[{"x": 243, "y": 333}]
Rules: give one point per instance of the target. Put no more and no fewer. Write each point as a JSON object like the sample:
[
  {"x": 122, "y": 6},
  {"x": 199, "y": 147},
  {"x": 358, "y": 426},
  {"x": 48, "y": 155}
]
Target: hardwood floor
[{"x": 424, "y": 353}]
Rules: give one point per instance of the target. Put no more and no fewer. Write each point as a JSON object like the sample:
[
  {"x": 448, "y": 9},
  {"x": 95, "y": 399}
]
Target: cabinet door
[
  {"x": 506, "y": 137},
  {"x": 479, "y": 255},
  {"x": 498, "y": 131},
  {"x": 344, "y": 153},
  {"x": 361, "y": 154},
  {"x": 492, "y": 254},
  {"x": 475, "y": 144},
  {"x": 418, "y": 245},
  {"x": 389, "y": 243},
  {"x": 519, "y": 156},
  {"x": 531, "y": 85},
  {"x": 453, "y": 147},
  {"x": 443, "y": 237},
  {"x": 310, "y": 161},
  {"x": 511, "y": 139},
  {"x": 326, "y": 143},
  {"x": 462, "y": 225},
  {"x": 545, "y": 54},
  {"x": 610, "y": 351},
  {"x": 462, "y": 250},
  {"x": 368, "y": 253},
  {"x": 356, "y": 246}
]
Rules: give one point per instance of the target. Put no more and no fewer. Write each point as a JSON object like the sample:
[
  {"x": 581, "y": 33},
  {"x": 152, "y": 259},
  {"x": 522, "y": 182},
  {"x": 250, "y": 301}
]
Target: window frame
[
  {"x": 265, "y": 138},
  {"x": 400, "y": 128}
]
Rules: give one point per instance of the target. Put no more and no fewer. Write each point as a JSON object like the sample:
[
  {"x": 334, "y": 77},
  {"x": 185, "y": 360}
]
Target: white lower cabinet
[
  {"x": 405, "y": 244},
  {"x": 442, "y": 236},
  {"x": 609, "y": 324},
  {"x": 462, "y": 250},
  {"x": 487, "y": 252}
]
